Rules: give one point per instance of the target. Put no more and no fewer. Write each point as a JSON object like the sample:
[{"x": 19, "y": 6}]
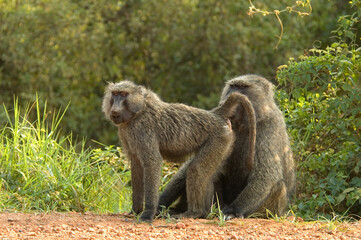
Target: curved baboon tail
[{"x": 227, "y": 110}]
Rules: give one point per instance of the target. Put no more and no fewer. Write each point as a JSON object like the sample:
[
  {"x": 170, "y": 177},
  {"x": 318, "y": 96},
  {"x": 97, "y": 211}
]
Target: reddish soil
[{"x": 121, "y": 226}]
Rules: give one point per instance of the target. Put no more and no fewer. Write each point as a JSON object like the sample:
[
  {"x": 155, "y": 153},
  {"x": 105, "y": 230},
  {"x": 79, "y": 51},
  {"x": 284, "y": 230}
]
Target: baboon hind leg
[
  {"x": 276, "y": 201},
  {"x": 181, "y": 205},
  {"x": 175, "y": 188},
  {"x": 200, "y": 175},
  {"x": 255, "y": 199}
]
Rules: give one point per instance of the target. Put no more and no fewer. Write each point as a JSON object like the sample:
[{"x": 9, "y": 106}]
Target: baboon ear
[{"x": 136, "y": 101}]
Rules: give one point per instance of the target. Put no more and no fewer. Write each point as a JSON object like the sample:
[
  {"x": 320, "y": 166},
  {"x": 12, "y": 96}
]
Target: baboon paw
[
  {"x": 228, "y": 210},
  {"x": 136, "y": 211},
  {"x": 229, "y": 216},
  {"x": 145, "y": 220},
  {"x": 147, "y": 216},
  {"x": 230, "y": 213}
]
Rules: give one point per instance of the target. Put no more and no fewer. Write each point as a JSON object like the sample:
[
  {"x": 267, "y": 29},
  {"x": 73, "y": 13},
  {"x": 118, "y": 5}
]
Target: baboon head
[
  {"x": 122, "y": 101},
  {"x": 258, "y": 90}
]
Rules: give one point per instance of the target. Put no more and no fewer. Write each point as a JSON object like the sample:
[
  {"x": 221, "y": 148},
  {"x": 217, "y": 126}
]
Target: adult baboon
[
  {"x": 150, "y": 130},
  {"x": 271, "y": 182},
  {"x": 244, "y": 188}
]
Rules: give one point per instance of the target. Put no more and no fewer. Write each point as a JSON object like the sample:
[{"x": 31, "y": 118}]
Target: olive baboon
[
  {"x": 150, "y": 130},
  {"x": 271, "y": 182},
  {"x": 245, "y": 189}
]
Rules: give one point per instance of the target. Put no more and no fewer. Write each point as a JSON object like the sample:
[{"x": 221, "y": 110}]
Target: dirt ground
[{"x": 122, "y": 226}]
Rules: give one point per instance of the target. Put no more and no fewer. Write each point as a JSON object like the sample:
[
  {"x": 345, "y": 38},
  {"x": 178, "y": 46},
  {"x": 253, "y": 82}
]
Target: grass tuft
[{"x": 42, "y": 170}]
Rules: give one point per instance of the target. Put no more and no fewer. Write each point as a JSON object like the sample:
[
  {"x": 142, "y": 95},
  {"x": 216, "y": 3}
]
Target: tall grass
[{"x": 43, "y": 170}]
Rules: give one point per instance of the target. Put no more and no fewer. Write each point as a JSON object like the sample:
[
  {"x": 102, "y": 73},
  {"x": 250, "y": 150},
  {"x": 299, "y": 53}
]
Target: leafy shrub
[
  {"x": 66, "y": 50},
  {"x": 322, "y": 102}
]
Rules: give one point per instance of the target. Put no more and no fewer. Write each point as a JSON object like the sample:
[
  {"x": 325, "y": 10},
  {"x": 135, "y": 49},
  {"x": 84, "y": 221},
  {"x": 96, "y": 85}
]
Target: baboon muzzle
[{"x": 116, "y": 117}]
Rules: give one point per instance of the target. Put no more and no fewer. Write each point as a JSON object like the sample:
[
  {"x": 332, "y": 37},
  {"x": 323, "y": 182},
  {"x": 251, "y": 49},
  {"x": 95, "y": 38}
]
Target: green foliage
[
  {"x": 41, "y": 170},
  {"x": 66, "y": 50},
  {"x": 322, "y": 102},
  {"x": 216, "y": 211}
]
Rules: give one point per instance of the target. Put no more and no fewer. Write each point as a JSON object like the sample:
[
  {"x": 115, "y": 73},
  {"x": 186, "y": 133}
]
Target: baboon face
[
  {"x": 122, "y": 101},
  {"x": 119, "y": 111}
]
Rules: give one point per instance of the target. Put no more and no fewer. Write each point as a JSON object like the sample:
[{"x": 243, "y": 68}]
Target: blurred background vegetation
[
  {"x": 66, "y": 52},
  {"x": 184, "y": 50}
]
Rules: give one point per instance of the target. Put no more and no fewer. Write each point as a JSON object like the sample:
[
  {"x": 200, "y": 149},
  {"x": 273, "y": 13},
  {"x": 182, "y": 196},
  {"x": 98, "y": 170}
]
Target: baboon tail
[{"x": 227, "y": 110}]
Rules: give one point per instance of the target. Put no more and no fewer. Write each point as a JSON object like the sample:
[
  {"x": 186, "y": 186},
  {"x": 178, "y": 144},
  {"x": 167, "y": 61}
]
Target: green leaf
[
  {"x": 341, "y": 197},
  {"x": 347, "y": 87},
  {"x": 347, "y": 190}
]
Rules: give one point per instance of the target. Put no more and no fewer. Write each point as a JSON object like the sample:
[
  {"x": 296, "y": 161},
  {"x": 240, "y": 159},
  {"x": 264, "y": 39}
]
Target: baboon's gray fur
[
  {"x": 150, "y": 130},
  {"x": 271, "y": 182},
  {"x": 249, "y": 182}
]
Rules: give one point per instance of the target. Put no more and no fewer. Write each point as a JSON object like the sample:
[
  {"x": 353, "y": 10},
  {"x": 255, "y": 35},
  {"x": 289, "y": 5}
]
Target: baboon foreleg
[
  {"x": 152, "y": 174},
  {"x": 137, "y": 184}
]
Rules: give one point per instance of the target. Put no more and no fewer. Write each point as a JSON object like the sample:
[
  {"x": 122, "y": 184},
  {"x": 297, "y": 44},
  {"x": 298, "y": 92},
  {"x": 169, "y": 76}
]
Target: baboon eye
[{"x": 123, "y": 94}]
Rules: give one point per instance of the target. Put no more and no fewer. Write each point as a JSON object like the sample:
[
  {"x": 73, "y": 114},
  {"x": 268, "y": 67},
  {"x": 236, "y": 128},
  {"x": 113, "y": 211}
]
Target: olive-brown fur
[{"x": 151, "y": 130}]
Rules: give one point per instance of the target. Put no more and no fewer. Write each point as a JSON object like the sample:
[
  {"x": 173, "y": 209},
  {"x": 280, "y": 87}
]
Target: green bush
[
  {"x": 322, "y": 102},
  {"x": 66, "y": 50}
]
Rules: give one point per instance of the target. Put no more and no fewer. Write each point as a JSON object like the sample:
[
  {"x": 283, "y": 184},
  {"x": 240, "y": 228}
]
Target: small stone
[
  {"x": 233, "y": 237},
  {"x": 180, "y": 225},
  {"x": 64, "y": 226}
]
